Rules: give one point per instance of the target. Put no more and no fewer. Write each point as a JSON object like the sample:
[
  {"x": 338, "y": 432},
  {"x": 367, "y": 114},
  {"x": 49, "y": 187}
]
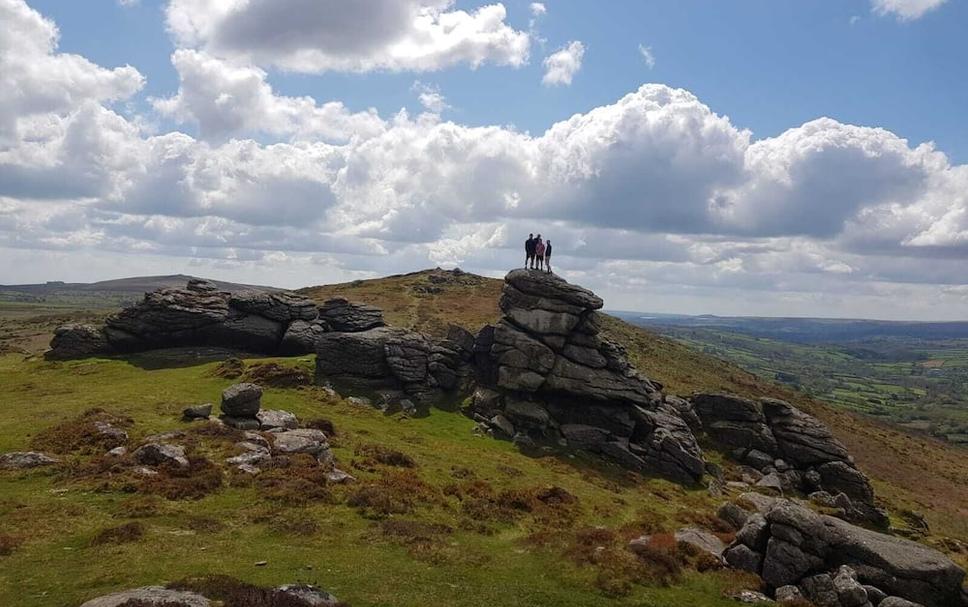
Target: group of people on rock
[{"x": 537, "y": 253}]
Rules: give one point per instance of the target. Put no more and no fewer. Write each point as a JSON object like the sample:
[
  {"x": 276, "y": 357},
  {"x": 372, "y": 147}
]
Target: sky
[{"x": 746, "y": 157}]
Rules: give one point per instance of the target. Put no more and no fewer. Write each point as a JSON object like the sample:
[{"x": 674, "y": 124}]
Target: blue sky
[
  {"x": 768, "y": 65},
  {"x": 763, "y": 157}
]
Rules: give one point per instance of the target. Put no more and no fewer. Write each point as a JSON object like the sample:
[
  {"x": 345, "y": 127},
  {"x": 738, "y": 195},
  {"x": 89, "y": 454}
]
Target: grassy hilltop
[{"x": 439, "y": 515}]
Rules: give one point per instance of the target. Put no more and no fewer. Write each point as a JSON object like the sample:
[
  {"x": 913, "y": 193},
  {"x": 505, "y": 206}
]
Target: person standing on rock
[
  {"x": 529, "y": 252},
  {"x": 547, "y": 257},
  {"x": 539, "y": 252}
]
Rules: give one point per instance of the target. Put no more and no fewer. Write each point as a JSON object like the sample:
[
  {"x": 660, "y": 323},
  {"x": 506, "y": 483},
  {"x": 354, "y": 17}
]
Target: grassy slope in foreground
[
  {"x": 913, "y": 472},
  {"x": 518, "y": 561},
  {"x": 435, "y": 553}
]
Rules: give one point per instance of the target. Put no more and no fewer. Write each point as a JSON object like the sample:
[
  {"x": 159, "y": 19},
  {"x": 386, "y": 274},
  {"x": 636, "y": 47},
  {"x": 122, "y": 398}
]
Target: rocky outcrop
[
  {"x": 395, "y": 359},
  {"x": 344, "y": 316},
  {"x": 76, "y": 340},
  {"x": 794, "y": 450},
  {"x": 252, "y": 320},
  {"x": 551, "y": 376},
  {"x": 831, "y": 560}
]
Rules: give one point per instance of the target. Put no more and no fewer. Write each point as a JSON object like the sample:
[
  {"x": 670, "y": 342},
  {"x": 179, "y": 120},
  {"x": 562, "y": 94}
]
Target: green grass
[{"x": 57, "y": 517}]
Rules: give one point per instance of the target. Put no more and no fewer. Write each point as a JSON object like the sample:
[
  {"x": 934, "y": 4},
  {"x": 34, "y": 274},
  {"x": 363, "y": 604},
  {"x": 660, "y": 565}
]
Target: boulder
[
  {"x": 667, "y": 445},
  {"x": 276, "y": 420},
  {"x": 344, "y": 316},
  {"x": 280, "y": 306},
  {"x": 303, "y": 440},
  {"x": 244, "y": 332},
  {"x": 850, "y": 592},
  {"x": 241, "y": 400},
  {"x": 744, "y": 558},
  {"x": 802, "y": 439},
  {"x": 701, "y": 540},
  {"x": 307, "y": 595},
  {"x": 150, "y": 596},
  {"x": 735, "y": 422},
  {"x": 502, "y": 425},
  {"x": 733, "y": 515},
  {"x": 21, "y": 460},
  {"x": 300, "y": 337},
  {"x": 527, "y": 414},
  {"x": 76, "y": 340},
  {"x": 552, "y": 287},
  {"x": 809, "y": 549},
  {"x": 157, "y": 454},
  {"x": 789, "y": 595},
  {"x": 197, "y": 411},
  {"x": 819, "y": 590},
  {"x": 356, "y": 355}
]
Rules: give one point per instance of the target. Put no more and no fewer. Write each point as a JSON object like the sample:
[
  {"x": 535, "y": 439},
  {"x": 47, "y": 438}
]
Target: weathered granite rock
[
  {"x": 357, "y": 355},
  {"x": 302, "y": 440},
  {"x": 733, "y": 515},
  {"x": 308, "y": 595},
  {"x": 789, "y": 594},
  {"x": 665, "y": 442},
  {"x": 809, "y": 549},
  {"x": 850, "y": 592},
  {"x": 200, "y": 314},
  {"x": 21, "y": 460},
  {"x": 802, "y": 439},
  {"x": 276, "y": 420},
  {"x": 391, "y": 358},
  {"x": 157, "y": 454},
  {"x": 734, "y": 422},
  {"x": 281, "y": 306},
  {"x": 701, "y": 540},
  {"x": 348, "y": 317},
  {"x": 197, "y": 411},
  {"x": 769, "y": 431},
  {"x": 300, "y": 337},
  {"x": 559, "y": 381},
  {"x": 241, "y": 400},
  {"x": 76, "y": 340},
  {"x": 150, "y": 596}
]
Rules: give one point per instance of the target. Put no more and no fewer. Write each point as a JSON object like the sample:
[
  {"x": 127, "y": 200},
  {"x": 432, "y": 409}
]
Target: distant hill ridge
[{"x": 132, "y": 284}]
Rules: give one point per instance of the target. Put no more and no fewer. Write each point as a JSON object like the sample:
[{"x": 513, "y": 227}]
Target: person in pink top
[{"x": 539, "y": 252}]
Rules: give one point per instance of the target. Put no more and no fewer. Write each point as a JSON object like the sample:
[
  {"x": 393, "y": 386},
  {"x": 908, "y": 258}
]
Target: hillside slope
[{"x": 910, "y": 472}]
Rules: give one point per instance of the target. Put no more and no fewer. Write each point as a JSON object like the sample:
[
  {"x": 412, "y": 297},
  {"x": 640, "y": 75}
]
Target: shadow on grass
[{"x": 176, "y": 358}]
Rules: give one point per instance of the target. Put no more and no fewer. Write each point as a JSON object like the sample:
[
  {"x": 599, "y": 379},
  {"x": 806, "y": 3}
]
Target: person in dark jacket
[
  {"x": 547, "y": 257},
  {"x": 539, "y": 252},
  {"x": 529, "y": 251}
]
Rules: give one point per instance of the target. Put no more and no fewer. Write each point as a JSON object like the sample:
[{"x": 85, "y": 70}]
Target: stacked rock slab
[
  {"x": 836, "y": 564},
  {"x": 240, "y": 406},
  {"x": 552, "y": 376},
  {"x": 201, "y": 314},
  {"x": 798, "y": 449},
  {"x": 390, "y": 358}
]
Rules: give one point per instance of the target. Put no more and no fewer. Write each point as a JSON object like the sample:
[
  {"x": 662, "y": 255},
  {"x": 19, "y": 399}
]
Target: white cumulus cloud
[
  {"x": 905, "y": 10},
  {"x": 323, "y": 35},
  {"x": 562, "y": 65},
  {"x": 227, "y": 100}
]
